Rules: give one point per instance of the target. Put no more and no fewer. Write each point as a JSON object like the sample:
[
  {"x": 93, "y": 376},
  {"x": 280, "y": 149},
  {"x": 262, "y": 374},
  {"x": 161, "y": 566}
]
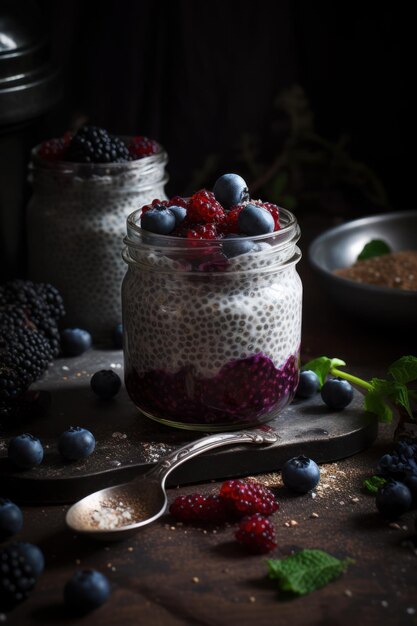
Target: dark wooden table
[{"x": 172, "y": 575}]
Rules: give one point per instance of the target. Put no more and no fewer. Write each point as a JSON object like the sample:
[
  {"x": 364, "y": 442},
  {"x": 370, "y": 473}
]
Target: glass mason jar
[
  {"x": 76, "y": 221},
  {"x": 210, "y": 342}
]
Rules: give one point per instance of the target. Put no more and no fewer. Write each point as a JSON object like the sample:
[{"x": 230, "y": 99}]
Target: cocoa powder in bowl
[{"x": 396, "y": 269}]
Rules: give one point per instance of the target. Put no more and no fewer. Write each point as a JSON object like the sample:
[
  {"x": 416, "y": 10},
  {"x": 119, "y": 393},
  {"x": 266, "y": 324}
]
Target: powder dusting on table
[{"x": 396, "y": 269}]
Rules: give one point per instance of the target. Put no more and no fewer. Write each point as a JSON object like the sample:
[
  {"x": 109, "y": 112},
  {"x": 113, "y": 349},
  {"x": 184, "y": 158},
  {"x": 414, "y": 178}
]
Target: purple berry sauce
[{"x": 245, "y": 390}]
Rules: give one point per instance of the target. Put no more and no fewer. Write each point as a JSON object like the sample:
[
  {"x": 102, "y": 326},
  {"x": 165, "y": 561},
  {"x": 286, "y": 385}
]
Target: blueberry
[
  {"x": 337, "y": 393},
  {"x": 11, "y": 519},
  {"x": 255, "y": 220},
  {"x": 179, "y": 213},
  {"x": 234, "y": 245},
  {"x": 385, "y": 463},
  {"x": 25, "y": 451},
  {"x": 75, "y": 341},
  {"x": 393, "y": 499},
  {"x": 300, "y": 474},
  {"x": 33, "y": 557},
  {"x": 308, "y": 385},
  {"x": 410, "y": 481},
  {"x": 160, "y": 220},
  {"x": 118, "y": 336},
  {"x": 86, "y": 591},
  {"x": 106, "y": 384},
  {"x": 230, "y": 189},
  {"x": 76, "y": 443}
]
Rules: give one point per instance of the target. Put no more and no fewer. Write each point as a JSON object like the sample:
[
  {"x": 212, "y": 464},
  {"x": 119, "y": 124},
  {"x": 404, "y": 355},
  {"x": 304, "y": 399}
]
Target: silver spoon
[{"x": 118, "y": 512}]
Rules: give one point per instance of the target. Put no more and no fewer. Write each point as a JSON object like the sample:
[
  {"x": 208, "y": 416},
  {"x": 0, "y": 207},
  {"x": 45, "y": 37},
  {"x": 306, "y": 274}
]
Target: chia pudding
[
  {"x": 75, "y": 224},
  {"x": 211, "y": 340}
]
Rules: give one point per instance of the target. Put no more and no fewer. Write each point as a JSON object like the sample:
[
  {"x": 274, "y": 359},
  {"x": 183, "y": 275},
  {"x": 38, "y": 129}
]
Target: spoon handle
[{"x": 263, "y": 435}]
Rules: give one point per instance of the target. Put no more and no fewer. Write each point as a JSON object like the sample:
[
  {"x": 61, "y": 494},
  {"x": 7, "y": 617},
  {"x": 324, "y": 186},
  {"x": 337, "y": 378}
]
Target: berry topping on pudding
[
  {"x": 222, "y": 213},
  {"x": 92, "y": 144}
]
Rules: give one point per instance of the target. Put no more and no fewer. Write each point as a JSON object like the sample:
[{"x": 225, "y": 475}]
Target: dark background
[{"x": 311, "y": 101}]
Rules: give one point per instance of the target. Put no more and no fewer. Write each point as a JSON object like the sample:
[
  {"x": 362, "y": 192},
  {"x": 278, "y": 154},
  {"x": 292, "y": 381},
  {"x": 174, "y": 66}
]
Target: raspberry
[
  {"x": 153, "y": 204},
  {"x": 256, "y": 533},
  {"x": 203, "y": 207},
  {"x": 248, "y": 498},
  {"x": 54, "y": 149},
  {"x": 230, "y": 225},
  {"x": 140, "y": 147},
  {"x": 178, "y": 201},
  {"x": 198, "y": 508},
  {"x": 203, "y": 231},
  {"x": 272, "y": 208}
]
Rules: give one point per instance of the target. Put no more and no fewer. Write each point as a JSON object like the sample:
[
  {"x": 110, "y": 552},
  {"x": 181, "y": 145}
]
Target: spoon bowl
[{"x": 118, "y": 512}]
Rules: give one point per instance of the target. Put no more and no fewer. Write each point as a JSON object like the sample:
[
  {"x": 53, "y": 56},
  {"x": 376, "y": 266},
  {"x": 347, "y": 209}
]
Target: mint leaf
[
  {"x": 396, "y": 392},
  {"x": 404, "y": 370},
  {"x": 373, "y": 483},
  {"x": 322, "y": 366},
  {"x": 375, "y": 247},
  {"x": 375, "y": 404},
  {"x": 306, "y": 571}
]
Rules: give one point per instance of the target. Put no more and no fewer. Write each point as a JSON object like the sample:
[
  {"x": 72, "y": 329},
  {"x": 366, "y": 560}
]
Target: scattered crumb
[
  {"x": 130, "y": 549},
  {"x": 341, "y": 503},
  {"x": 348, "y": 593},
  {"x": 252, "y": 599},
  {"x": 394, "y": 525},
  {"x": 195, "y": 579},
  {"x": 172, "y": 528},
  {"x": 410, "y": 610},
  {"x": 355, "y": 500},
  {"x": 293, "y": 522},
  {"x": 314, "y": 515},
  {"x": 384, "y": 603}
]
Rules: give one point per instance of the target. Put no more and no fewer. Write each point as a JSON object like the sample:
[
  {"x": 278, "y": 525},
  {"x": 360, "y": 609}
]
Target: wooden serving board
[{"x": 128, "y": 443}]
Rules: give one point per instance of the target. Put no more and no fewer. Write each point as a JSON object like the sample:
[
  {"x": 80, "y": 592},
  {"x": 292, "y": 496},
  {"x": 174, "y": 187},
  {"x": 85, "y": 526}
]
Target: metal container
[{"x": 29, "y": 86}]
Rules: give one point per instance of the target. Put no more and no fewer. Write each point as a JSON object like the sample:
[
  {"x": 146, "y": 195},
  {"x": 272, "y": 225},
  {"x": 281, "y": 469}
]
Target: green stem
[{"x": 352, "y": 379}]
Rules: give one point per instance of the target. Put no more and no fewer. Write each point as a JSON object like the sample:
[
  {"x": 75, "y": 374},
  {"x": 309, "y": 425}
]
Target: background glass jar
[
  {"x": 76, "y": 221},
  {"x": 211, "y": 342}
]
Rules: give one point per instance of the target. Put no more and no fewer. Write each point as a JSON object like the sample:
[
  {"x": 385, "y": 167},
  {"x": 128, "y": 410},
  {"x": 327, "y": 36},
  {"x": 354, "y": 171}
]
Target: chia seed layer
[{"x": 76, "y": 224}]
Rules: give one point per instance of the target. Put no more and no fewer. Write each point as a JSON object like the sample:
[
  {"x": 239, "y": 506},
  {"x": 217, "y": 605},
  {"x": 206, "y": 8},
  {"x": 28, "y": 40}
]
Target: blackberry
[
  {"x": 13, "y": 316},
  {"x": 32, "y": 305},
  {"x": 94, "y": 145},
  {"x": 11, "y": 387},
  {"x": 20, "y": 565},
  {"x": 27, "y": 352}
]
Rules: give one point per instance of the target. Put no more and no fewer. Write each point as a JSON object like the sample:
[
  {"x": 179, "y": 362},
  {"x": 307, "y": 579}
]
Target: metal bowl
[{"x": 339, "y": 247}]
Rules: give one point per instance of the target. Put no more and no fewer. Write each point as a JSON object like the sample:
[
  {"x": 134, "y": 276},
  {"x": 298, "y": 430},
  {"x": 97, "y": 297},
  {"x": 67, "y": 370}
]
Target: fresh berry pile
[
  {"x": 91, "y": 144},
  {"x": 226, "y": 212},
  {"x": 399, "y": 468},
  {"x": 29, "y": 338},
  {"x": 249, "y": 502}
]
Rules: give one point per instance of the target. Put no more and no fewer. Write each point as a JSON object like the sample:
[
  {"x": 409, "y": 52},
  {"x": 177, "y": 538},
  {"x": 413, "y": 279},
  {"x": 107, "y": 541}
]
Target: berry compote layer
[
  {"x": 212, "y": 310},
  {"x": 84, "y": 187}
]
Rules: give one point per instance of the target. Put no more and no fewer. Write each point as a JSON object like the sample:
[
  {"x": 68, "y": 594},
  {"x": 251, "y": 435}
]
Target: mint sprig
[
  {"x": 374, "y": 483},
  {"x": 306, "y": 571},
  {"x": 375, "y": 247},
  {"x": 381, "y": 395}
]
